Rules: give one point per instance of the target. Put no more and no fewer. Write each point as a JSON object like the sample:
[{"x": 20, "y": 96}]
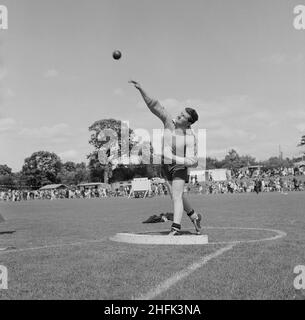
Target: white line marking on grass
[
  {"x": 165, "y": 285},
  {"x": 279, "y": 234},
  {"x": 54, "y": 246}
]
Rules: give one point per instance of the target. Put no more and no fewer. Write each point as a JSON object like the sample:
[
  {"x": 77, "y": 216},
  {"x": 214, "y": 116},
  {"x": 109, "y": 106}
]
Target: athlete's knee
[{"x": 177, "y": 195}]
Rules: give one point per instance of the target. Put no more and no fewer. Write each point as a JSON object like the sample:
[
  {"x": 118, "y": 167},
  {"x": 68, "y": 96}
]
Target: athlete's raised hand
[{"x": 135, "y": 83}]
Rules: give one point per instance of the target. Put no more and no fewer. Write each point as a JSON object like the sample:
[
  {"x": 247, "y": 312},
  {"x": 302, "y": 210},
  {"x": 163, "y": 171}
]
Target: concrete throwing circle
[{"x": 160, "y": 237}]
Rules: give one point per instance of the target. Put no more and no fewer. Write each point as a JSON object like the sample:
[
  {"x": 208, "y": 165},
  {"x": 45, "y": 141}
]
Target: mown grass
[{"x": 111, "y": 270}]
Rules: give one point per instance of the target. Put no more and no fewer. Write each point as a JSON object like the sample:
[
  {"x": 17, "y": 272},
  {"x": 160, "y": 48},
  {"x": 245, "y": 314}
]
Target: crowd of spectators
[
  {"x": 267, "y": 173},
  {"x": 257, "y": 180},
  {"x": 76, "y": 193},
  {"x": 273, "y": 180},
  {"x": 276, "y": 184}
]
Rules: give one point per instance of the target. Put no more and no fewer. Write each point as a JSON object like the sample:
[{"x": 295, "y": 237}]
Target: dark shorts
[{"x": 170, "y": 172}]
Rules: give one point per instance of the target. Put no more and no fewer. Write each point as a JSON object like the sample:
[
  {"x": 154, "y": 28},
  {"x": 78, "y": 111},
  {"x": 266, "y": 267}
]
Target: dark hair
[{"x": 193, "y": 114}]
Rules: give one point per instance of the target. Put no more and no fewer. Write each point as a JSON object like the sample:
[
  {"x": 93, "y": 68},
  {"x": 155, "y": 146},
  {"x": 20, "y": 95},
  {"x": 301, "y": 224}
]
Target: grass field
[{"x": 64, "y": 252}]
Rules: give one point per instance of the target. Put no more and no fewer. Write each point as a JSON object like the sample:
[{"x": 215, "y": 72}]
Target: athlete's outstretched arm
[{"x": 153, "y": 104}]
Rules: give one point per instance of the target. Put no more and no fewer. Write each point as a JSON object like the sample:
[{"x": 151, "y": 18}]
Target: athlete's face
[{"x": 183, "y": 118}]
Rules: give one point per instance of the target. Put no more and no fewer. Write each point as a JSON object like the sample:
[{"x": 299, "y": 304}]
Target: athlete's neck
[{"x": 181, "y": 127}]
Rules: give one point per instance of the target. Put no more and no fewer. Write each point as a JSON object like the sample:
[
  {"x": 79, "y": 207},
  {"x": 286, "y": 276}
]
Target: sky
[{"x": 239, "y": 63}]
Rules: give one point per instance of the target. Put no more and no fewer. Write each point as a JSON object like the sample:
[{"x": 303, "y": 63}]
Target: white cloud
[
  {"x": 296, "y": 114},
  {"x": 3, "y": 73},
  {"x": 10, "y": 93},
  {"x": 57, "y": 133},
  {"x": 141, "y": 105},
  {"x": 276, "y": 58},
  {"x": 51, "y": 73},
  {"x": 218, "y": 153},
  {"x": 118, "y": 92},
  {"x": 281, "y": 59},
  {"x": 300, "y": 58},
  {"x": 7, "y": 93},
  {"x": 7, "y": 124},
  {"x": 69, "y": 155},
  {"x": 171, "y": 104},
  {"x": 227, "y": 136},
  {"x": 301, "y": 127}
]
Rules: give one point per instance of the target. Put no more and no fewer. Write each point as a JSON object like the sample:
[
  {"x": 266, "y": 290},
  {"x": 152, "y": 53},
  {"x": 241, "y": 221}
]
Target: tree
[
  {"x": 232, "y": 160},
  {"x": 107, "y": 139},
  {"x": 6, "y": 176},
  {"x": 247, "y": 160},
  {"x": 7, "y": 181},
  {"x": 302, "y": 142},
  {"x": 74, "y": 173},
  {"x": 5, "y": 170},
  {"x": 123, "y": 173},
  {"x": 69, "y": 166},
  {"x": 41, "y": 168},
  {"x": 276, "y": 162},
  {"x": 213, "y": 163},
  {"x": 82, "y": 173}
]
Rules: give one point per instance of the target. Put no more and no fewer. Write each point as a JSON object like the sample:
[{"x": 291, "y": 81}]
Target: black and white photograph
[{"x": 152, "y": 151}]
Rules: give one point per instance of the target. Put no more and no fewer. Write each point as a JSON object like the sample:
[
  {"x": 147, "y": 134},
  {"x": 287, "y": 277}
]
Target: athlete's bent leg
[
  {"x": 168, "y": 185},
  {"x": 193, "y": 215},
  {"x": 186, "y": 204}
]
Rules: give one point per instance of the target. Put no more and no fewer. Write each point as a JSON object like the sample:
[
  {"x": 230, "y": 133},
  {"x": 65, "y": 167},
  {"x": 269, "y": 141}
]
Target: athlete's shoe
[
  {"x": 197, "y": 224},
  {"x": 174, "y": 232}
]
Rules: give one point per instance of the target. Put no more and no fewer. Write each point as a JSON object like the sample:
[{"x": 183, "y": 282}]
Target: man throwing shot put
[{"x": 179, "y": 154}]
